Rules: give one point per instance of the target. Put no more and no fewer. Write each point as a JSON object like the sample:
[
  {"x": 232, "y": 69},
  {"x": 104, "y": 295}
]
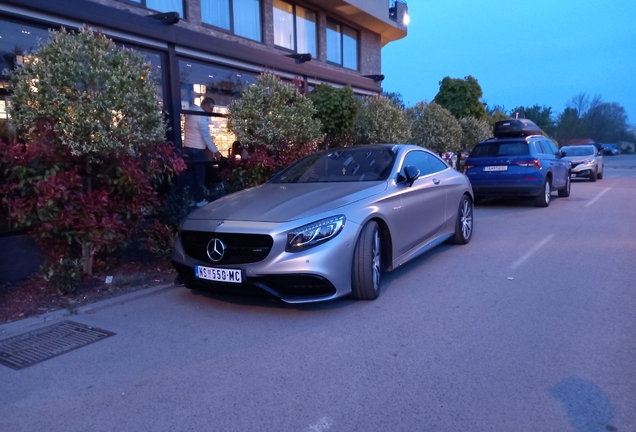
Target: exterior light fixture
[
  {"x": 406, "y": 20},
  {"x": 375, "y": 78},
  {"x": 169, "y": 18},
  {"x": 300, "y": 58}
]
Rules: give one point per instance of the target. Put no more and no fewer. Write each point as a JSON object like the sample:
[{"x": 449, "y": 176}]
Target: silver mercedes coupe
[{"x": 327, "y": 226}]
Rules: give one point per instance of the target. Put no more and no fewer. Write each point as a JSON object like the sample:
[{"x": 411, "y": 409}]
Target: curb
[{"x": 17, "y": 327}]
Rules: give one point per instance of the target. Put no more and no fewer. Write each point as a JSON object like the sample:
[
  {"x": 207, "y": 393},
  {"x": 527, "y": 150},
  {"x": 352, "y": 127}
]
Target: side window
[
  {"x": 552, "y": 149},
  {"x": 437, "y": 165},
  {"x": 539, "y": 146},
  {"x": 418, "y": 159}
]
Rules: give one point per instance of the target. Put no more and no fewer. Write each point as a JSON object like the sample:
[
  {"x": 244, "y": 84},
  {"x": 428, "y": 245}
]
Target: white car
[{"x": 586, "y": 160}]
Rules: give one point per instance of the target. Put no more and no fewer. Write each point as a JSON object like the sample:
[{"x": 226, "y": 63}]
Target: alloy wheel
[
  {"x": 376, "y": 262},
  {"x": 466, "y": 219}
]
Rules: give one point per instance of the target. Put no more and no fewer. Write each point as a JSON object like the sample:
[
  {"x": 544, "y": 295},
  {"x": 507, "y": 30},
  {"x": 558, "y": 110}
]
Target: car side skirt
[{"x": 419, "y": 250}]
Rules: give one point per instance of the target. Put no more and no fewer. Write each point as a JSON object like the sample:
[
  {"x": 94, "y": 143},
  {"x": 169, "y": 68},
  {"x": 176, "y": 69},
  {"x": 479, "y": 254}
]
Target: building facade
[
  {"x": 213, "y": 48},
  {"x": 217, "y": 47}
]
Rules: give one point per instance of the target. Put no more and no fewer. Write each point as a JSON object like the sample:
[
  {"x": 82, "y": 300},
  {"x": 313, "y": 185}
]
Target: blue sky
[{"x": 522, "y": 53}]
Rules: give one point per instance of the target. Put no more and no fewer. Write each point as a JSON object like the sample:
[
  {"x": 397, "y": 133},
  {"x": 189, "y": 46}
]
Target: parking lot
[{"x": 529, "y": 327}]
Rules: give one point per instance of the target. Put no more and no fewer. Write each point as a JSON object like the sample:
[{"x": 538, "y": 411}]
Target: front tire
[
  {"x": 565, "y": 192},
  {"x": 367, "y": 263},
  {"x": 593, "y": 176},
  {"x": 600, "y": 176},
  {"x": 464, "y": 223},
  {"x": 543, "y": 199}
]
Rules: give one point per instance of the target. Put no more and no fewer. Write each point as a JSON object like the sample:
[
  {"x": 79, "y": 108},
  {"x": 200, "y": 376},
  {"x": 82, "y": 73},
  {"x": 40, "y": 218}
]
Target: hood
[
  {"x": 276, "y": 202},
  {"x": 578, "y": 159}
]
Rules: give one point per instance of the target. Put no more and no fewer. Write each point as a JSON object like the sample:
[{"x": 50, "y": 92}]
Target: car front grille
[{"x": 240, "y": 248}]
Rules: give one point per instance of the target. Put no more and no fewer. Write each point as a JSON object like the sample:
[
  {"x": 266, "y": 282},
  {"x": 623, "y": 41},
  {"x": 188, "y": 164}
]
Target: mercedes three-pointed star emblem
[{"x": 216, "y": 249}]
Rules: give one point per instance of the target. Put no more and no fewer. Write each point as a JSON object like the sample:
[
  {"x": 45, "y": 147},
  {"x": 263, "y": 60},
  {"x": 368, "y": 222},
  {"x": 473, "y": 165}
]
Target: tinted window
[
  {"x": 417, "y": 158},
  {"x": 540, "y": 148},
  {"x": 347, "y": 165},
  {"x": 436, "y": 163},
  {"x": 500, "y": 149},
  {"x": 553, "y": 149},
  {"x": 579, "y": 151}
]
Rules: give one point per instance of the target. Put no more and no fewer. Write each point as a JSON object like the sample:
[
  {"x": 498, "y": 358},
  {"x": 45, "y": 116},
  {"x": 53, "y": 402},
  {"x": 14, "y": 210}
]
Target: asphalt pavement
[{"x": 530, "y": 327}]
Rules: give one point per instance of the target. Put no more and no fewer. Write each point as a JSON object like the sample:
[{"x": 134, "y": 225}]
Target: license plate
[
  {"x": 218, "y": 274},
  {"x": 496, "y": 168}
]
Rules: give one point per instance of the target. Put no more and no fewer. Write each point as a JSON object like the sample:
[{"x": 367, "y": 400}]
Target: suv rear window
[{"x": 500, "y": 149}]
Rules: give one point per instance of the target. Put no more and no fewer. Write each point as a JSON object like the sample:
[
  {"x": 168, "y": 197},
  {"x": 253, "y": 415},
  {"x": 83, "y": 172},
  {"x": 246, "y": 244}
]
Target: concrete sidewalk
[{"x": 22, "y": 326}]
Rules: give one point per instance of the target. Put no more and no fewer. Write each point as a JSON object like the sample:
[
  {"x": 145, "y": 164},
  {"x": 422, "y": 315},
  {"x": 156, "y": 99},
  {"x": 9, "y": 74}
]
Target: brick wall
[{"x": 370, "y": 43}]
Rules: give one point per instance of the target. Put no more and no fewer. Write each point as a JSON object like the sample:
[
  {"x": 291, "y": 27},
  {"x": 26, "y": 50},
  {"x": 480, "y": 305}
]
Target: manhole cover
[{"x": 30, "y": 348}]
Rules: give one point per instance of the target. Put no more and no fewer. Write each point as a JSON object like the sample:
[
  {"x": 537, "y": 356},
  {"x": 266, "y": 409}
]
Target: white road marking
[
  {"x": 603, "y": 192},
  {"x": 322, "y": 425},
  {"x": 531, "y": 252}
]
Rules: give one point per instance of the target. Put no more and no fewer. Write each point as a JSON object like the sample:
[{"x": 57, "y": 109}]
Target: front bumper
[
  {"x": 582, "y": 171},
  {"x": 316, "y": 274}
]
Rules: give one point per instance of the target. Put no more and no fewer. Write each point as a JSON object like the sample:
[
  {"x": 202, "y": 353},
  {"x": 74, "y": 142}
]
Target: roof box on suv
[{"x": 515, "y": 128}]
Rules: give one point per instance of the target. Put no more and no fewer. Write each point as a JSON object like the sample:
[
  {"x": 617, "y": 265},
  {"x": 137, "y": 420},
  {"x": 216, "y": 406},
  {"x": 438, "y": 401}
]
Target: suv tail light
[
  {"x": 467, "y": 167},
  {"x": 533, "y": 163}
]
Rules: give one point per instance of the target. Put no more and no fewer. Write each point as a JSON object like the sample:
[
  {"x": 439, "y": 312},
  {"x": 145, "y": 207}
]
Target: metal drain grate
[{"x": 30, "y": 348}]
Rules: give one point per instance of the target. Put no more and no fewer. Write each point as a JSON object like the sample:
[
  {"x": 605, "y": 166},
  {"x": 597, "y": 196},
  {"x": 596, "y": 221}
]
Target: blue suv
[{"x": 518, "y": 161}]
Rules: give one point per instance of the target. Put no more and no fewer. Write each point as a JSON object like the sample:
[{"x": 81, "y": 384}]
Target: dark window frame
[
  {"x": 231, "y": 29},
  {"x": 342, "y": 54},
  {"x": 295, "y": 50},
  {"x": 142, "y": 3}
]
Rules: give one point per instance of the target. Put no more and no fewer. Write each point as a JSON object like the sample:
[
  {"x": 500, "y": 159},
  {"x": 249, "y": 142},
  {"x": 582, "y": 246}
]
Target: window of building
[
  {"x": 294, "y": 28},
  {"x": 199, "y": 80},
  {"x": 241, "y": 17},
  {"x": 155, "y": 59},
  {"x": 162, "y": 5},
  {"x": 342, "y": 45}
]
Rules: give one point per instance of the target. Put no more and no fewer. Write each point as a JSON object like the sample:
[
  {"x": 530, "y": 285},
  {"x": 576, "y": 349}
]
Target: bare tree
[{"x": 583, "y": 103}]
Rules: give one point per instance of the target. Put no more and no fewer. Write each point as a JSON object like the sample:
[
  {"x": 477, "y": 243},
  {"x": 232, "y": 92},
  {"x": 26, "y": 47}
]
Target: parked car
[
  {"x": 586, "y": 161},
  {"x": 518, "y": 161},
  {"x": 326, "y": 226},
  {"x": 610, "y": 150}
]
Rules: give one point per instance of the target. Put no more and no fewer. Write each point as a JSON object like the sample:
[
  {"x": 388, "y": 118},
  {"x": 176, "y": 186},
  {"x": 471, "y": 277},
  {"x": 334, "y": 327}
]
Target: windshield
[
  {"x": 343, "y": 165},
  {"x": 500, "y": 149},
  {"x": 578, "y": 151}
]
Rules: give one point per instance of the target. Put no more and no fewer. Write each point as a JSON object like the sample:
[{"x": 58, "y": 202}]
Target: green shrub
[{"x": 64, "y": 274}]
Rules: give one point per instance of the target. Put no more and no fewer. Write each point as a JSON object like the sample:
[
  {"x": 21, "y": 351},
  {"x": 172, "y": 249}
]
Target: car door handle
[{"x": 436, "y": 181}]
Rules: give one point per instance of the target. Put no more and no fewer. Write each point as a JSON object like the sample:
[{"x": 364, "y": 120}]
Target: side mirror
[
  {"x": 562, "y": 153},
  {"x": 411, "y": 173}
]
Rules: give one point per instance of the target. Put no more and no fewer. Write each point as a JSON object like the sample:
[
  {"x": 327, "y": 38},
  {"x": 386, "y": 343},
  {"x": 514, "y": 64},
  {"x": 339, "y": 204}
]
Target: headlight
[
  {"x": 313, "y": 234},
  {"x": 587, "y": 161}
]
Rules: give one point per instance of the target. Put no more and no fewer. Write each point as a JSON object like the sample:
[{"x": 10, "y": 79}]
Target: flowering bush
[
  {"x": 45, "y": 187},
  {"x": 92, "y": 163}
]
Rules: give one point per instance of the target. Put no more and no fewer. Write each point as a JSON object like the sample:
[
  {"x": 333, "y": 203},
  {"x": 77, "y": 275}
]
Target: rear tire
[
  {"x": 593, "y": 176},
  {"x": 464, "y": 223},
  {"x": 565, "y": 192},
  {"x": 543, "y": 199},
  {"x": 367, "y": 263}
]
